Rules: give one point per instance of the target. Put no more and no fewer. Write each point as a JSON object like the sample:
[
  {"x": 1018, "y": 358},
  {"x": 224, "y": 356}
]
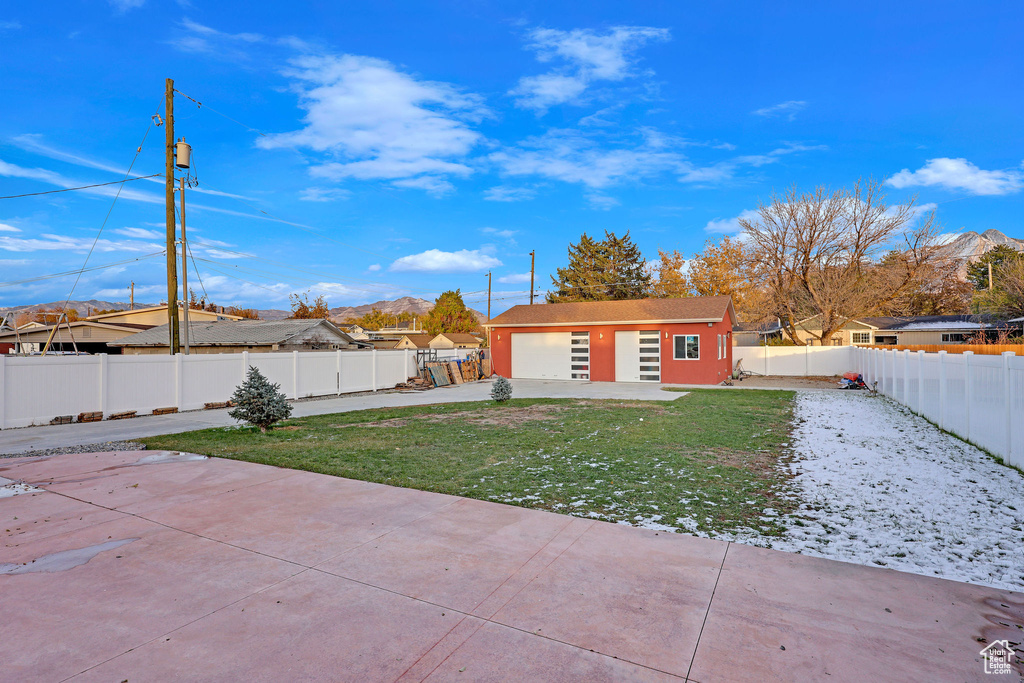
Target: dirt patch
[
  {"x": 779, "y": 382},
  {"x": 500, "y": 417},
  {"x": 289, "y": 428}
]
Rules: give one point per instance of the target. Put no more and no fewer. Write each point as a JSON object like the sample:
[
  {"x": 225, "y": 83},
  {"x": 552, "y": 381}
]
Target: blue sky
[{"x": 375, "y": 150}]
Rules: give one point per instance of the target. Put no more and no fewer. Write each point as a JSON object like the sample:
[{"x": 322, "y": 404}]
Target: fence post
[
  {"x": 104, "y": 385},
  {"x": 179, "y": 378},
  {"x": 906, "y": 377},
  {"x": 920, "y": 382},
  {"x": 374, "y": 370},
  {"x": 338, "y": 364},
  {"x": 295, "y": 374},
  {"x": 3, "y": 390},
  {"x": 245, "y": 364},
  {"x": 968, "y": 355},
  {"x": 1008, "y": 456},
  {"x": 405, "y": 364},
  {"x": 942, "y": 390},
  {"x": 767, "y": 355}
]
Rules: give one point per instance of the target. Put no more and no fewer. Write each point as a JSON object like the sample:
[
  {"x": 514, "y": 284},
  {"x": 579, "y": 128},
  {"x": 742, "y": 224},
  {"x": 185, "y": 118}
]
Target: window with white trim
[
  {"x": 861, "y": 337},
  {"x": 719, "y": 347},
  {"x": 686, "y": 347}
]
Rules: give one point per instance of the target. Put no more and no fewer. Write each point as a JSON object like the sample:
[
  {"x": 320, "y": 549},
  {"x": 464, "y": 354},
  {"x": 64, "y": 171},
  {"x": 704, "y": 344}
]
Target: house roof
[
  {"x": 384, "y": 343},
  {"x": 237, "y": 333},
  {"x": 688, "y": 309},
  {"x": 23, "y": 333},
  {"x": 911, "y": 323},
  {"x": 460, "y": 337},
  {"x": 422, "y": 341},
  {"x": 162, "y": 307},
  {"x": 763, "y": 328}
]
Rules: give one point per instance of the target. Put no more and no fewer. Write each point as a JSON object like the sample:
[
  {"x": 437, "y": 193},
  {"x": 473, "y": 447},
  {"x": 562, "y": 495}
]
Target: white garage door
[
  {"x": 542, "y": 355},
  {"x": 637, "y": 356}
]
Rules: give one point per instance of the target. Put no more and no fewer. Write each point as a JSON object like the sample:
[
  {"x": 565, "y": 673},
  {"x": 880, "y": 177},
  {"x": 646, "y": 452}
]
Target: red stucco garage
[{"x": 673, "y": 341}]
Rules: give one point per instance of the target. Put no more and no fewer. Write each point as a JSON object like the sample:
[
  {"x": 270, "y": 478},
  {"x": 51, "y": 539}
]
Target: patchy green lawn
[{"x": 703, "y": 463}]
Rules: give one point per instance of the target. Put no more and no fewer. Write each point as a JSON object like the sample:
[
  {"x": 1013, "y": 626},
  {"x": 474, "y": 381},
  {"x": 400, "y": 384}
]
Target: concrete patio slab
[{"x": 264, "y": 574}]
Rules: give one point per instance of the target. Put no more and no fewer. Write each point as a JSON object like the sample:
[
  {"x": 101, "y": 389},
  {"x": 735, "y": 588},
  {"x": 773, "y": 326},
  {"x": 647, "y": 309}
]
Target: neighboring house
[
  {"x": 908, "y": 330},
  {"x": 455, "y": 340},
  {"x": 255, "y": 336},
  {"x": 357, "y": 332},
  {"x": 157, "y": 315},
  {"x": 414, "y": 341},
  {"x": 383, "y": 344},
  {"x": 677, "y": 341},
  {"x": 87, "y": 336},
  {"x": 755, "y": 334}
]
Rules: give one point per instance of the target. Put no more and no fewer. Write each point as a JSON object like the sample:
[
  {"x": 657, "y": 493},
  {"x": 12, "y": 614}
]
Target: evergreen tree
[
  {"x": 450, "y": 314},
  {"x": 606, "y": 270},
  {"x": 259, "y": 402},
  {"x": 977, "y": 272},
  {"x": 501, "y": 391}
]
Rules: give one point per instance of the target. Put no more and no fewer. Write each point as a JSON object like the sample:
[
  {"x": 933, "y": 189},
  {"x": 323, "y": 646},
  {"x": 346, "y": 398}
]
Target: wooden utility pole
[
  {"x": 533, "y": 257},
  {"x": 990, "y": 276},
  {"x": 172, "y": 266},
  {"x": 131, "y": 297},
  {"x": 184, "y": 268}
]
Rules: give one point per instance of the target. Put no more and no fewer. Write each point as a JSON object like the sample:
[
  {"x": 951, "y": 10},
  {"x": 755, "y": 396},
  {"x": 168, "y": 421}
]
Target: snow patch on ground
[
  {"x": 884, "y": 487},
  {"x": 10, "y": 488}
]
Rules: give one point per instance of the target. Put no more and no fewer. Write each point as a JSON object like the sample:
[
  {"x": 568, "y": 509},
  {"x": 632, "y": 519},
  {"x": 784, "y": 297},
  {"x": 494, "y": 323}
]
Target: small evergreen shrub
[
  {"x": 502, "y": 389},
  {"x": 259, "y": 402}
]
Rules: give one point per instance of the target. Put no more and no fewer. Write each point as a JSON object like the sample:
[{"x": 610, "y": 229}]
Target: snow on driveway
[{"x": 882, "y": 486}]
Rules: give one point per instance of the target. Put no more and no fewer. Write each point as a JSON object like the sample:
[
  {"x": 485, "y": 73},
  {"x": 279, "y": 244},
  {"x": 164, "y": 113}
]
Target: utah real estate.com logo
[{"x": 998, "y": 657}]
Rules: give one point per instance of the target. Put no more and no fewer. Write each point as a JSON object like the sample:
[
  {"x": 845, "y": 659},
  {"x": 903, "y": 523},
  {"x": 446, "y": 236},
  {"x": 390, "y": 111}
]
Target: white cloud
[
  {"x": 125, "y": 5},
  {"x": 141, "y": 233},
  {"x": 504, "y": 234},
  {"x": 586, "y": 56},
  {"x": 514, "y": 279},
  {"x": 788, "y": 109},
  {"x": 959, "y": 174},
  {"x": 51, "y": 242},
  {"x": 730, "y": 226},
  {"x": 374, "y": 268},
  {"x": 372, "y": 121},
  {"x": 323, "y": 194},
  {"x": 8, "y": 228},
  {"x": 600, "y": 201},
  {"x": 570, "y": 157},
  {"x": 504, "y": 193},
  {"x": 437, "y": 261}
]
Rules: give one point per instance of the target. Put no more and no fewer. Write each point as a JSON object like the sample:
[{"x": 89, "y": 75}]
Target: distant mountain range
[
  {"x": 83, "y": 308},
  {"x": 972, "y": 246}
]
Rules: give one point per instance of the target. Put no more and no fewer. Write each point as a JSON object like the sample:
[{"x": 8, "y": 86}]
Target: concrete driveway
[
  {"x": 58, "y": 436},
  {"x": 145, "y": 566}
]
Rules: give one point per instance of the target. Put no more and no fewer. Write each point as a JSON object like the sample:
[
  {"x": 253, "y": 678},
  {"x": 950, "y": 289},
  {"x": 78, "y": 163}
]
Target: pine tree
[
  {"x": 609, "y": 269},
  {"x": 259, "y": 402},
  {"x": 501, "y": 391}
]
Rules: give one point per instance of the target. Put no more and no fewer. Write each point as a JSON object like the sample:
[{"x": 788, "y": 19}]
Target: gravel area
[
  {"x": 778, "y": 382},
  {"x": 84, "y": 448}
]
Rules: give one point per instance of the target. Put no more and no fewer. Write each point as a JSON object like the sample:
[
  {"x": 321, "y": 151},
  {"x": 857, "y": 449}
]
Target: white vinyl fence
[
  {"x": 35, "y": 389},
  {"x": 979, "y": 398},
  {"x": 796, "y": 361}
]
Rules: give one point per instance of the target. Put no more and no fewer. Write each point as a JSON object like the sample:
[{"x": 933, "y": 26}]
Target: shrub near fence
[
  {"x": 35, "y": 389},
  {"x": 980, "y": 349},
  {"x": 979, "y": 398}
]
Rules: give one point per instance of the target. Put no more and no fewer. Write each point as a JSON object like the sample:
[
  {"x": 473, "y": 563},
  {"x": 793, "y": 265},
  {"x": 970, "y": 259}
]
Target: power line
[
  {"x": 200, "y": 106},
  {"x": 66, "y": 273},
  {"x": 120, "y": 187},
  {"x": 83, "y": 187}
]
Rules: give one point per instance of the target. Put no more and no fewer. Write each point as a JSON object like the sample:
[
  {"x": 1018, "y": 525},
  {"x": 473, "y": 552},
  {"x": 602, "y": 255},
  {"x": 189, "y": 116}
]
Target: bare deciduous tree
[{"x": 837, "y": 255}]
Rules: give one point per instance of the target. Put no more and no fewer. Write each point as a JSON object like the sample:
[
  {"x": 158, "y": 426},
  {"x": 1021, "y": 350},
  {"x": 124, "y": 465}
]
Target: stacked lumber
[
  {"x": 165, "y": 411},
  {"x": 217, "y": 404},
  {"x": 62, "y": 420},
  {"x": 123, "y": 415},
  {"x": 415, "y": 384},
  {"x": 93, "y": 416}
]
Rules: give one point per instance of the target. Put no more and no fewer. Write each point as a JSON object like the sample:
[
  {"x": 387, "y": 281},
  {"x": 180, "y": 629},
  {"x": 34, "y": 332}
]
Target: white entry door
[
  {"x": 637, "y": 356},
  {"x": 541, "y": 355}
]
